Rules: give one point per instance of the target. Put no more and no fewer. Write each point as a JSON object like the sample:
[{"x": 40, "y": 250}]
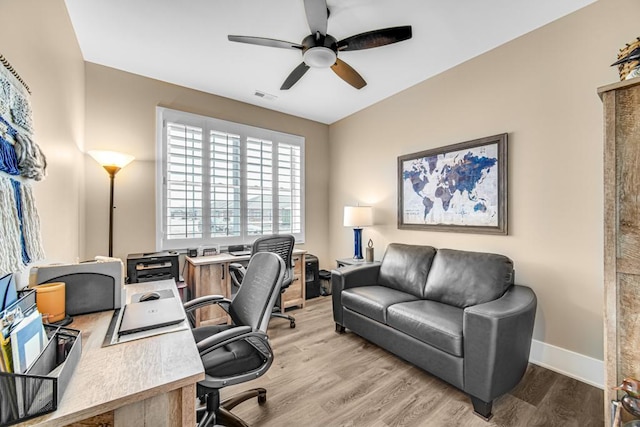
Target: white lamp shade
[
  {"x": 358, "y": 216},
  {"x": 111, "y": 158}
]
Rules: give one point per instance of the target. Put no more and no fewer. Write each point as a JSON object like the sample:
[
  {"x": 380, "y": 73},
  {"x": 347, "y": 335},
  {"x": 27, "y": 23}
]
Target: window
[{"x": 225, "y": 183}]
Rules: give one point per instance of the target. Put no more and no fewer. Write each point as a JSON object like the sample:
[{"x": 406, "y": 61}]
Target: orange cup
[{"x": 50, "y": 301}]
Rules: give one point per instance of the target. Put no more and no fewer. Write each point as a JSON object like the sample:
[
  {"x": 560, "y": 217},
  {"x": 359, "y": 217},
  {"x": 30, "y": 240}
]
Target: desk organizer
[{"x": 39, "y": 390}]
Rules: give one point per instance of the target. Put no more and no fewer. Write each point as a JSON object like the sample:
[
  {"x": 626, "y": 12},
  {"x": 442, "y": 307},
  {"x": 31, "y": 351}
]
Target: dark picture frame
[{"x": 460, "y": 187}]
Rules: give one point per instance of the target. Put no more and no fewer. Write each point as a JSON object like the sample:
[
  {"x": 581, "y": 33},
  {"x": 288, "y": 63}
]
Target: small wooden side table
[{"x": 343, "y": 262}]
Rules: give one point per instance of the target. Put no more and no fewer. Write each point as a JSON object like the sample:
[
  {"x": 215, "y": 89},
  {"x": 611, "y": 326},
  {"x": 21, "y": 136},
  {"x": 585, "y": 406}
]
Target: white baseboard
[{"x": 566, "y": 362}]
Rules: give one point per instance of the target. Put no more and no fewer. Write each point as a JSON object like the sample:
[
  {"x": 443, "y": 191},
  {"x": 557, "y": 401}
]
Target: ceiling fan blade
[
  {"x": 262, "y": 41},
  {"x": 317, "y": 15},
  {"x": 375, "y": 38},
  {"x": 348, "y": 74},
  {"x": 295, "y": 75}
]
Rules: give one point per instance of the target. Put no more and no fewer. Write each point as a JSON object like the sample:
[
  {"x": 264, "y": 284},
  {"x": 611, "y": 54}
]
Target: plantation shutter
[
  {"x": 225, "y": 183},
  {"x": 259, "y": 187},
  {"x": 183, "y": 213},
  {"x": 289, "y": 189}
]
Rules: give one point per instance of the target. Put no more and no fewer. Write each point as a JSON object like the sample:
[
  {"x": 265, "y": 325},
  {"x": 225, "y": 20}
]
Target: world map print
[{"x": 454, "y": 188}]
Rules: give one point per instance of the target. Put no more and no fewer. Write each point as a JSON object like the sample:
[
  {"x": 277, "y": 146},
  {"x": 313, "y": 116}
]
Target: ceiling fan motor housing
[{"x": 319, "y": 51}]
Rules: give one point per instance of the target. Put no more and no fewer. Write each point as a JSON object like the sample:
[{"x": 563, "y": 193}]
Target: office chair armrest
[
  {"x": 191, "y": 306},
  {"x": 237, "y": 266},
  {"x": 237, "y": 272},
  {"x": 205, "y": 301},
  {"x": 225, "y": 337}
]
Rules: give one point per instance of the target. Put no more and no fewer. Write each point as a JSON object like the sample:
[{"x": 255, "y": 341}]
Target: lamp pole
[
  {"x": 112, "y": 171},
  {"x": 112, "y": 162}
]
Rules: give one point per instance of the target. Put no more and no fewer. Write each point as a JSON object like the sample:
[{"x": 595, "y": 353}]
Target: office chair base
[
  {"x": 228, "y": 419},
  {"x": 222, "y": 414},
  {"x": 291, "y": 319},
  {"x": 237, "y": 399}
]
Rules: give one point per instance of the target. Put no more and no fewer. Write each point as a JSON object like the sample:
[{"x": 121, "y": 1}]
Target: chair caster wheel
[
  {"x": 292, "y": 325},
  {"x": 262, "y": 399}
]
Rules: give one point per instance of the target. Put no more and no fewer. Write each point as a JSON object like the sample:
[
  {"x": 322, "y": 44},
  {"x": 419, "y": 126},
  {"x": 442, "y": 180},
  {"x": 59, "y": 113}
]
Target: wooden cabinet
[
  {"x": 209, "y": 275},
  {"x": 621, "y": 234},
  {"x": 208, "y": 279},
  {"x": 294, "y": 295}
]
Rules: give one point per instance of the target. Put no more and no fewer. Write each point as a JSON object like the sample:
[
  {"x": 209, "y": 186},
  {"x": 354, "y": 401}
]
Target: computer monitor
[{"x": 8, "y": 291}]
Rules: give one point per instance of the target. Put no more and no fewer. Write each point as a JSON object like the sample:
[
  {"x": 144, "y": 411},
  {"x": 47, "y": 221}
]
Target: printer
[
  {"x": 89, "y": 286},
  {"x": 152, "y": 266}
]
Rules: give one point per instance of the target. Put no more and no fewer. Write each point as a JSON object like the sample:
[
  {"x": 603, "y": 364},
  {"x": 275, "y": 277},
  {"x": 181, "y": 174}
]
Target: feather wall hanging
[{"x": 21, "y": 161}]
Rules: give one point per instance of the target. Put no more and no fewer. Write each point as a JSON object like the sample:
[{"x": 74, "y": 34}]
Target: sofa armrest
[
  {"x": 349, "y": 277},
  {"x": 497, "y": 341}
]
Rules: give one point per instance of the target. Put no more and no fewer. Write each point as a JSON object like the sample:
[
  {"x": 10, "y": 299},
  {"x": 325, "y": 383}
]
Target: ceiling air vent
[{"x": 265, "y": 95}]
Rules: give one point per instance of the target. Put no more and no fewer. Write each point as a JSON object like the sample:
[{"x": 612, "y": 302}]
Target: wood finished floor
[{"x": 321, "y": 378}]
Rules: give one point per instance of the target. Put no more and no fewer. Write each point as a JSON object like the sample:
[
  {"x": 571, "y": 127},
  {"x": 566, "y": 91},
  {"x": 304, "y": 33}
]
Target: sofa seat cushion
[
  {"x": 431, "y": 322},
  {"x": 372, "y": 301}
]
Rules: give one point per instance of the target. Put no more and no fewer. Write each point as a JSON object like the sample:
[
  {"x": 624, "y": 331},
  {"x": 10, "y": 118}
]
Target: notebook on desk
[{"x": 142, "y": 316}]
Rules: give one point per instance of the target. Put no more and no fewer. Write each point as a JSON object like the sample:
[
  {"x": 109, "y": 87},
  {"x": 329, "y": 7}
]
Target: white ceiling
[{"x": 185, "y": 43}]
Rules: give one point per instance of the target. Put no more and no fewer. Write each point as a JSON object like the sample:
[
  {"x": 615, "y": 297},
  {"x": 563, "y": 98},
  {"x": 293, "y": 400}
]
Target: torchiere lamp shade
[{"x": 111, "y": 159}]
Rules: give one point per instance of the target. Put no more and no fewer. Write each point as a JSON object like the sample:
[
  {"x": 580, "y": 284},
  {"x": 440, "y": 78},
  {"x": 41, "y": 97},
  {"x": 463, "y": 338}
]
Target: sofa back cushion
[
  {"x": 406, "y": 267},
  {"x": 463, "y": 279}
]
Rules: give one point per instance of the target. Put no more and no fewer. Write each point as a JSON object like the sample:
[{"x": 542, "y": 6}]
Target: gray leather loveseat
[{"x": 453, "y": 313}]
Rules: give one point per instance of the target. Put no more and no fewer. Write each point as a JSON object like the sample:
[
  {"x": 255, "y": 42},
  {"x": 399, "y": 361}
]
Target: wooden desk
[
  {"x": 209, "y": 275},
  {"x": 151, "y": 381}
]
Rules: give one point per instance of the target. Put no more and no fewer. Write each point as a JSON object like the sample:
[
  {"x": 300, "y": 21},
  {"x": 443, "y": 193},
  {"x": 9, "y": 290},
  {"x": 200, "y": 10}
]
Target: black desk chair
[
  {"x": 281, "y": 244},
  {"x": 232, "y": 354}
]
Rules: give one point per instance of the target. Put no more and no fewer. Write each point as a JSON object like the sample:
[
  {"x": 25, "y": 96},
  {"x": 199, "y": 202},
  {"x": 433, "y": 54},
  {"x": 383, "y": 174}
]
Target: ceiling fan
[{"x": 320, "y": 50}]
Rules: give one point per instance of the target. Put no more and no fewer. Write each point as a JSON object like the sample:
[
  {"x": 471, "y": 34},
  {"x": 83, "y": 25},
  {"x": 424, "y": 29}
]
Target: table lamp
[
  {"x": 357, "y": 217},
  {"x": 112, "y": 162}
]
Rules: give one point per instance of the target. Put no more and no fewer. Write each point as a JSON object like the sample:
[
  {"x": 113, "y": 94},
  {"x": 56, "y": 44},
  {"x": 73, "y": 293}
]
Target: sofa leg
[
  {"x": 482, "y": 408},
  {"x": 339, "y": 328}
]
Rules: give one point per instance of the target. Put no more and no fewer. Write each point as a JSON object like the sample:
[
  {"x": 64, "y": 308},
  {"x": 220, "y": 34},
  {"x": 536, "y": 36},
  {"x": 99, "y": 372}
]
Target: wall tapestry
[
  {"x": 460, "y": 187},
  {"x": 21, "y": 161}
]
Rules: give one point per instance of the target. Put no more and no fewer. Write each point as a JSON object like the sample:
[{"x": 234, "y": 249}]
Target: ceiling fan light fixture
[{"x": 319, "y": 57}]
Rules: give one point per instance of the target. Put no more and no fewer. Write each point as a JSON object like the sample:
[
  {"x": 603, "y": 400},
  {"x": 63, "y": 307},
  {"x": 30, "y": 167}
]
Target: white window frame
[{"x": 164, "y": 115}]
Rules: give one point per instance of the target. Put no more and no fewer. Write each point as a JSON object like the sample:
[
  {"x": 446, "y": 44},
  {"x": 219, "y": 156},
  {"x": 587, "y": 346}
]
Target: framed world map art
[{"x": 460, "y": 187}]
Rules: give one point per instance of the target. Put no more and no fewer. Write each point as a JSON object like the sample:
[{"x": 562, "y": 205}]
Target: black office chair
[
  {"x": 281, "y": 244},
  {"x": 232, "y": 354}
]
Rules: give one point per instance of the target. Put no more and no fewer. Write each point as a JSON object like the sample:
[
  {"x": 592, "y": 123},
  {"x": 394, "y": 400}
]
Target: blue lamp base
[{"x": 357, "y": 243}]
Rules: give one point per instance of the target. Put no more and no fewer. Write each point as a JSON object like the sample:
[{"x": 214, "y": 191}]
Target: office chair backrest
[
  {"x": 260, "y": 288},
  {"x": 281, "y": 244}
]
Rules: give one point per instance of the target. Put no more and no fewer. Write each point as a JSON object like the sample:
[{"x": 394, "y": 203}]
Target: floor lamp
[
  {"x": 357, "y": 217},
  {"x": 112, "y": 162}
]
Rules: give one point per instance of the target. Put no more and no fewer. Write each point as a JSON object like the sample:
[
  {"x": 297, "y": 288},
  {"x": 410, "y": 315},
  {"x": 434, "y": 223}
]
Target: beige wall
[
  {"x": 541, "y": 89},
  {"x": 121, "y": 116},
  {"x": 38, "y": 39}
]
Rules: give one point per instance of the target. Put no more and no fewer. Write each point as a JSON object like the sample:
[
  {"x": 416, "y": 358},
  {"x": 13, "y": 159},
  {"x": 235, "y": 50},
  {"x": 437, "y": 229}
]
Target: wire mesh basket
[{"x": 39, "y": 390}]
